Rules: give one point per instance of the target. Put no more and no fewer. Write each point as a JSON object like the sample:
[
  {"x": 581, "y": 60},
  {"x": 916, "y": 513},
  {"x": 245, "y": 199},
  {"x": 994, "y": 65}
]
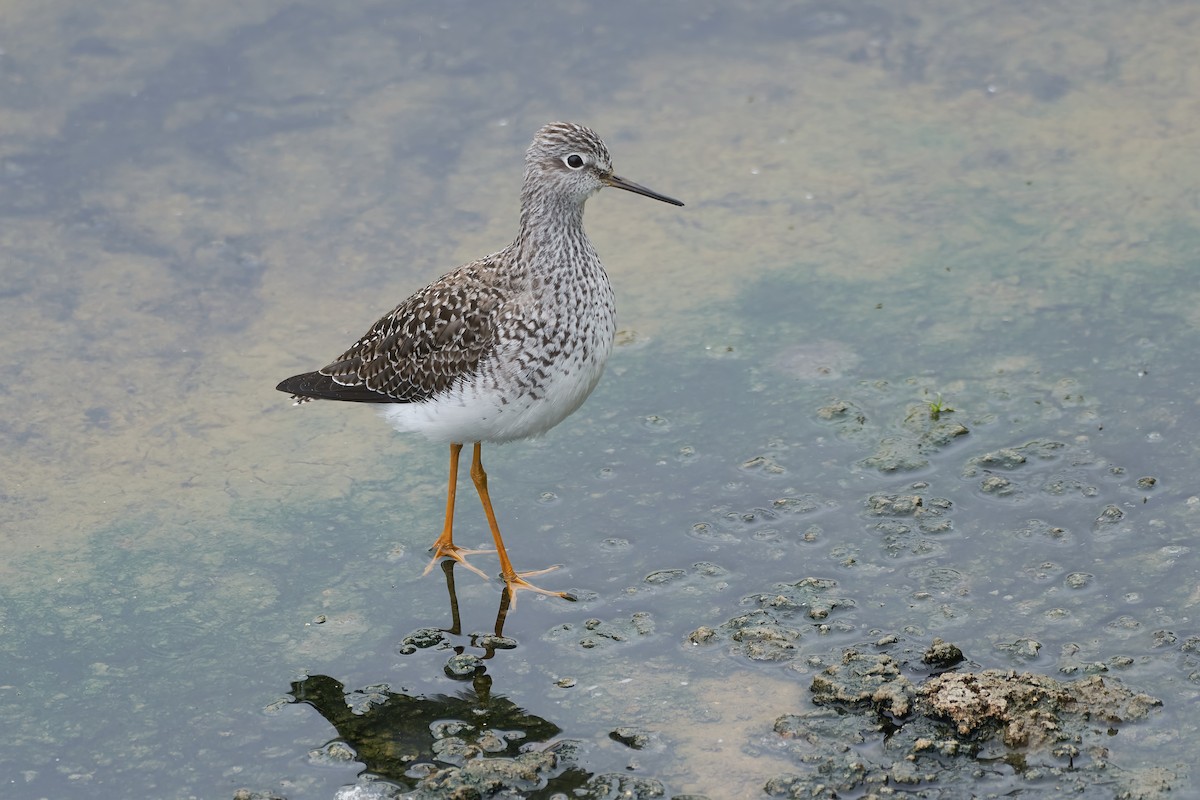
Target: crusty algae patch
[
  {"x": 1029, "y": 710},
  {"x": 1020, "y": 709},
  {"x": 960, "y": 731}
]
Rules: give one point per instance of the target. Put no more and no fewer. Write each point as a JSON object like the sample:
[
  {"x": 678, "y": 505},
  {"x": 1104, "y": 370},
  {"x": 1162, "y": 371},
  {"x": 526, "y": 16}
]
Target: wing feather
[{"x": 421, "y": 348}]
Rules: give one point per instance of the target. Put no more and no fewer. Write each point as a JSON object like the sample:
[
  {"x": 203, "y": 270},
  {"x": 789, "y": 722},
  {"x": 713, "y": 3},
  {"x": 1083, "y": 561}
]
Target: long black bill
[{"x": 618, "y": 182}]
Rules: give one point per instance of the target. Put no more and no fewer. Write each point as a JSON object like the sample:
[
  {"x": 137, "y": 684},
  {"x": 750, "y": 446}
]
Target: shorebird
[{"x": 502, "y": 348}]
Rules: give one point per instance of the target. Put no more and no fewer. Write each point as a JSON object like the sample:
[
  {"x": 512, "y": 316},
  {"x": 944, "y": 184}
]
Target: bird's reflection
[
  {"x": 440, "y": 741},
  {"x": 447, "y": 742},
  {"x": 463, "y": 665},
  {"x": 489, "y": 643}
]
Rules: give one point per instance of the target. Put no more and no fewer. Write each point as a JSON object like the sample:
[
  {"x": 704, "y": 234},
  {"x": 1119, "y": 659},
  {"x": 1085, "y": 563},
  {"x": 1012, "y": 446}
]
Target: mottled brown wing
[{"x": 426, "y": 344}]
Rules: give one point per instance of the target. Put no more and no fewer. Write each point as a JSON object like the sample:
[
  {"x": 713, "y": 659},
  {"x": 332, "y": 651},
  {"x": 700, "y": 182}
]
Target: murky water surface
[{"x": 917, "y": 361}]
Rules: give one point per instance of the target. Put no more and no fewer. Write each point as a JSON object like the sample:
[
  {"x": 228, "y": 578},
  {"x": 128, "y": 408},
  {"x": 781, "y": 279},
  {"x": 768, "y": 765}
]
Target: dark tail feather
[{"x": 316, "y": 386}]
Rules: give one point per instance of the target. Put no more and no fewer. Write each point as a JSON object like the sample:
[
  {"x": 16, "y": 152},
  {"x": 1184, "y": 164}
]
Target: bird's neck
[{"x": 551, "y": 230}]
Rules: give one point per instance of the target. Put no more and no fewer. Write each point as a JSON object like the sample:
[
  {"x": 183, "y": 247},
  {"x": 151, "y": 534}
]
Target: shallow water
[{"x": 991, "y": 210}]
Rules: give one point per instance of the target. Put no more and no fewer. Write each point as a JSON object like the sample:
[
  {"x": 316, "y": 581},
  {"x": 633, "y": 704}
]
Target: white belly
[{"x": 482, "y": 412}]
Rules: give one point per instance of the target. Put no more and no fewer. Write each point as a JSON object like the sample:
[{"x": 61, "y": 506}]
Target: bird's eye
[{"x": 574, "y": 161}]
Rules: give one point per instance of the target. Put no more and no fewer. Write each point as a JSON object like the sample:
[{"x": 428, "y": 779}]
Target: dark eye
[{"x": 574, "y": 161}]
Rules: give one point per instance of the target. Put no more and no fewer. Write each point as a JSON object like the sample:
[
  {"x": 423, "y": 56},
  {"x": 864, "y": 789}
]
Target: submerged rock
[{"x": 772, "y": 631}]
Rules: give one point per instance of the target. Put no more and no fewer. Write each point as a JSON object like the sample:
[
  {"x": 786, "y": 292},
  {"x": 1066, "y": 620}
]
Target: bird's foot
[
  {"x": 516, "y": 581},
  {"x": 459, "y": 554}
]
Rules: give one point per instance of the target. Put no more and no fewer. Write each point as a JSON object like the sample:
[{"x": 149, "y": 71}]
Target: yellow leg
[
  {"x": 445, "y": 547},
  {"x": 512, "y": 579}
]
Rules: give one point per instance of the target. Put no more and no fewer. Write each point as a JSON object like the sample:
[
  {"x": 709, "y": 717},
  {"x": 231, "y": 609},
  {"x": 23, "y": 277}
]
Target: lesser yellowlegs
[{"x": 501, "y": 348}]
